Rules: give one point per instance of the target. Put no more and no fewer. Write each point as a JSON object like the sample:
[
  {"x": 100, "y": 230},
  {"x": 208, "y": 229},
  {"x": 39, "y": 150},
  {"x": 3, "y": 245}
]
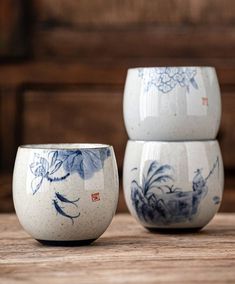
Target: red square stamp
[
  {"x": 95, "y": 196},
  {"x": 204, "y": 101}
]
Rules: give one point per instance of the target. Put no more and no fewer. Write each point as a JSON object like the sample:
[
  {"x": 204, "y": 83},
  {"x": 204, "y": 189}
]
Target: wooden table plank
[{"x": 126, "y": 253}]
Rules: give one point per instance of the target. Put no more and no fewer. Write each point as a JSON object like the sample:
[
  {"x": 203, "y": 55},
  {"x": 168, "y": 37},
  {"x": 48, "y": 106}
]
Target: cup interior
[
  {"x": 178, "y": 67},
  {"x": 65, "y": 146}
]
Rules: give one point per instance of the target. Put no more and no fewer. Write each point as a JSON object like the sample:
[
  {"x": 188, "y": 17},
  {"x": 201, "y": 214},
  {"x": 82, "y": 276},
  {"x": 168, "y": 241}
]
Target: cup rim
[
  {"x": 64, "y": 146},
  {"x": 172, "y": 141},
  {"x": 181, "y": 67}
]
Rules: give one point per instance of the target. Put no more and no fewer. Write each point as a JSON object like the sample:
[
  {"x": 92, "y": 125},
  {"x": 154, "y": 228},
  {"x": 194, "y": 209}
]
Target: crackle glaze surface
[
  {"x": 173, "y": 184},
  {"x": 65, "y": 192},
  {"x": 172, "y": 103}
]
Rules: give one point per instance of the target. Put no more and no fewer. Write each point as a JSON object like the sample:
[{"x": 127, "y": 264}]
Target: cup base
[
  {"x": 174, "y": 230},
  {"x": 66, "y": 243}
]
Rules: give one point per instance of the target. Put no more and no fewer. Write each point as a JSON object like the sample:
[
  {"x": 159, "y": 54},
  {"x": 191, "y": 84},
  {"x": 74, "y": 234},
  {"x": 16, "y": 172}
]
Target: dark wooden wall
[{"x": 63, "y": 65}]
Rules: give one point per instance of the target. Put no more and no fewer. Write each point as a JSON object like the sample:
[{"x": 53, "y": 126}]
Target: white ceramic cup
[
  {"x": 172, "y": 103},
  {"x": 173, "y": 185},
  {"x": 65, "y": 193}
]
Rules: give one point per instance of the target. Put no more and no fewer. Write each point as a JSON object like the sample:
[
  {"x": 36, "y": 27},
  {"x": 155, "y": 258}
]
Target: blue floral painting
[
  {"x": 165, "y": 79},
  {"x": 157, "y": 201},
  {"x": 56, "y": 166}
]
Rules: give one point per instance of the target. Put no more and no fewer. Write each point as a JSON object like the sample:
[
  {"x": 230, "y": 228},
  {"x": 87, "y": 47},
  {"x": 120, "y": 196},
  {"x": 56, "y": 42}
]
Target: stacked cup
[{"x": 173, "y": 169}]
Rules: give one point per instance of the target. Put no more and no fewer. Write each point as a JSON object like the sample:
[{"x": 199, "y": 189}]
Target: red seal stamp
[
  {"x": 204, "y": 101},
  {"x": 95, "y": 196}
]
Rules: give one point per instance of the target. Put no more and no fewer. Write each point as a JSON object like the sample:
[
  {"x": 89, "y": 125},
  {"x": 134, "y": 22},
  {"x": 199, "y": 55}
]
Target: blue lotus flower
[
  {"x": 84, "y": 162},
  {"x": 39, "y": 169}
]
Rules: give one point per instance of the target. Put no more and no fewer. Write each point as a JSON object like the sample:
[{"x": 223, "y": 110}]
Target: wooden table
[{"x": 126, "y": 253}]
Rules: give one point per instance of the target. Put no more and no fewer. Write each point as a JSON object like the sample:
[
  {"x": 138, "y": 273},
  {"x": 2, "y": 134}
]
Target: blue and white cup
[
  {"x": 65, "y": 193},
  {"x": 173, "y": 185},
  {"x": 172, "y": 103}
]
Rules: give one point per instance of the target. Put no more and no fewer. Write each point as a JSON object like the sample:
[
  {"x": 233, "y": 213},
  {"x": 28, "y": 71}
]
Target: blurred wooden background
[{"x": 63, "y": 65}]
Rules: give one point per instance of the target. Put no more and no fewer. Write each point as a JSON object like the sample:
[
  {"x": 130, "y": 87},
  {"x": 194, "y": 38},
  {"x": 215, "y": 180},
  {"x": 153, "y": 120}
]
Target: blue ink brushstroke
[
  {"x": 56, "y": 166},
  {"x": 165, "y": 79},
  {"x": 157, "y": 201}
]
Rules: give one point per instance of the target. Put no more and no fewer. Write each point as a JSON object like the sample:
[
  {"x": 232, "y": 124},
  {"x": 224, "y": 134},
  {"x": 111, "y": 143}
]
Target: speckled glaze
[
  {"x": 172, "y": 103},
  {"x": 65, "y": 192},
  {"x": 173, "y": 185}
]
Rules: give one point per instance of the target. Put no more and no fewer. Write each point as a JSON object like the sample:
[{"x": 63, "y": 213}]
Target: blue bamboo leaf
[
  {"x": 162, "y": 178},
  {"x": 158, "y": 171},
  {"x": 152, "y": 166},
  {"x": 162, "y": 169},
  {"x": 159, "y": 179}
]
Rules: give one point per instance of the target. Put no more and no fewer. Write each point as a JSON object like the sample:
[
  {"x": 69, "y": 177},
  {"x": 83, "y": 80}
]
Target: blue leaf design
[
  {"x": 85, "y": 162},
  {"x": 36, "y": 183},
  {"x": 72, "y": 161},
  {"x": 56, "y": 166},
  {"x": 153, "y": 166},
  {"x": 44, "y": 163},
  {"x": 194, "y": 83},
  {"x": 54, "y": 157}
]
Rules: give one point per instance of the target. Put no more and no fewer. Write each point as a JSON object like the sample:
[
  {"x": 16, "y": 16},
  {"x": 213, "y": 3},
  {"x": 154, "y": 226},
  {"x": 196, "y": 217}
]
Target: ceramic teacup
[
  {"x": 172, "y": 103},
  {"x": 173, "y": 185},
  {"x": 65, "y": 194}
]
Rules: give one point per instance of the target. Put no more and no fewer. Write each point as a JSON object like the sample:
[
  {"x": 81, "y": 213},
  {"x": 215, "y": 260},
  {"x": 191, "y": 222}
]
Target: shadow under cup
[{"x": 65, "y": 194}]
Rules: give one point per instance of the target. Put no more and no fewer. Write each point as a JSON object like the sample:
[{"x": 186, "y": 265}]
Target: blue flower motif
[
  {"x": 166, "y": 79},
  {"x": 57, "y": 165},
  {"x": 84, "y": 162},
  {"x": 39, "y": 169}
]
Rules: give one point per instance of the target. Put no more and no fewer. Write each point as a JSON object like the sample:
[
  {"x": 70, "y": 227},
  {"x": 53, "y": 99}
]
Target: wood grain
[
  {"x": 155, "y": 42},
  {"x": 8, "y": 126},
  {"x": 117, "y": 29},
  {"x": 132, "y": 12},
  {"x": 126, "y": 253},
  {"x": 6, "y": 202},
  {"x": 227, "y": 129},
  {"x": 12, "y": 35}
]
